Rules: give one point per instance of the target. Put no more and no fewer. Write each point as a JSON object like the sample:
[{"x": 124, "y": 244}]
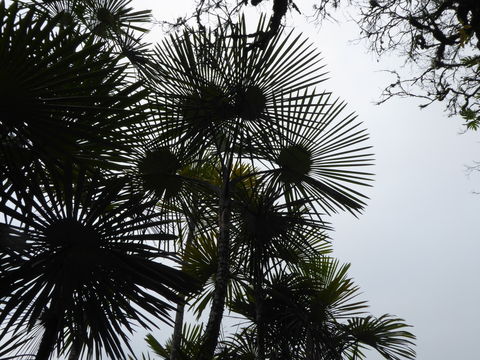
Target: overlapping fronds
[{"x": 81, "y": 262}]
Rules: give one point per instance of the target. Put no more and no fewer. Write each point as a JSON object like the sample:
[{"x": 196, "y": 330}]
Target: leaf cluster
[
  {"x": 202, "y": 178},
  {"x": 440, "y": 39}
]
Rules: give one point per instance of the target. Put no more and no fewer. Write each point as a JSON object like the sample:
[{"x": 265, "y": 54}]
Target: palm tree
[
  {"x": 87, "y": 262},
  {"x": 311, "y": 313},
  {"x": 80, "y": 253},
  {"x": 107, "y": 19},
  {"x": 256, "y": 105},
  {"x": 271, "y": 233},
  {"x": 226, "y": 147},
  {"x": 61, "y": 95}
]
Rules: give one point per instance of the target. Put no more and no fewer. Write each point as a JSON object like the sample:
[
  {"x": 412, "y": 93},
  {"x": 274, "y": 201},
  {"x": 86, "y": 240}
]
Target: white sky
[{"x": 414, "y": 251}]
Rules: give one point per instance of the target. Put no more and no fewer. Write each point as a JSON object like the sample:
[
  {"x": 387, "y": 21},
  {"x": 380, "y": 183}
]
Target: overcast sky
[{"x": 414, "y": 252}]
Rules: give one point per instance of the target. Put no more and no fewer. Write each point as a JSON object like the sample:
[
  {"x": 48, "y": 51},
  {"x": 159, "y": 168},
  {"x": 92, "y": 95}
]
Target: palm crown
[{"x": 225, "y": 146}]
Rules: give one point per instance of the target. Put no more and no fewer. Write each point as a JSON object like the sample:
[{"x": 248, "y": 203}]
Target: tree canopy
[
  {"x": 198, "y": 174},
  {"x": 440, "y": 39}
]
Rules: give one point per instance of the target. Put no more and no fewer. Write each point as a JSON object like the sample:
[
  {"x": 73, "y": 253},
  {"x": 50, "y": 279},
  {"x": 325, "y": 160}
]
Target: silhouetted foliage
[
  {"x": 199, "y": 173},
  {"x": 441, "y": 39}
]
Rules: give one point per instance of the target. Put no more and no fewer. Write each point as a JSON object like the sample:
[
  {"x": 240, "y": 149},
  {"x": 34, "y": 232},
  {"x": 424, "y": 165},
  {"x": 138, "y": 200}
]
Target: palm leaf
[
  {"x": 61, "y": 95},
  {"x": 386, "y": 334},
  {"x": 85, "y": 259}
]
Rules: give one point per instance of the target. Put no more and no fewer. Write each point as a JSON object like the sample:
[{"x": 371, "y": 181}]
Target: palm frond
[
  {"x": 107, "y": 17},
  {"x": 386, "y": 334},
  {"x": 189, "y": 345},
  {"x": 210, "y": 84},
  {"x": 89, "y": 263},
  {"x": 61, "y": 96},
  {"x": 317, "y": 158}
]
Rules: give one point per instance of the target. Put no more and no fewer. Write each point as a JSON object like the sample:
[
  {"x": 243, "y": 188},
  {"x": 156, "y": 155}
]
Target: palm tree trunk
[
  {"x": 76, "y": 350},
  {"x": 179, "y": 314},
  {"x": 177, "y": 330},
  {"x": 258, "y": 295},
  {"x": 47, "y": 343},
  {"x": 259, "y": 301},
  {"x": 212, "y": 331}
]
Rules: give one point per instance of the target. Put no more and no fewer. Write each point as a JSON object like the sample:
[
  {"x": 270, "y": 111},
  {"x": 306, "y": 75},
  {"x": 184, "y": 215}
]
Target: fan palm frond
[
  {"x": 318, "y": 159},
  {"x": 240, "y": 346},
  {"x": 269, "y": 229},
  {"x": 87, "y": 263},
  {"x": 213, "y": 87},
  {"x": 66, "y": 12},
  {"x": 156, "y": 167},
  {"x": 261, "y": 102},
  {"x": 108, "y": 17},
  {"x": 386, "y": 334},
  {"x": 104, "y": 18},
  {"x": 59, "y": 91},
  {"x": 310, "y": 312},
  {"x": 189, "y": 346}
]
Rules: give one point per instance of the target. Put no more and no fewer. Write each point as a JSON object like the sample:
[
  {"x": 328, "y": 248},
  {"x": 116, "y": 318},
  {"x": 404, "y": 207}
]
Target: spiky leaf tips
[
  {"x": 220, "y": 89},
  {"x": 60, "y": 95},
  {"x": 234, "y": 151},
  {"x": 322, "y": 160},
  {"x": 311, "y": 312},
  {"x": 216, "y": 85},
  {"x": 104, "y": 18},
  {"x": 109, "y": 18},
  {"x": 86, "y": 265},
  {"x": 222, "y": 94}
]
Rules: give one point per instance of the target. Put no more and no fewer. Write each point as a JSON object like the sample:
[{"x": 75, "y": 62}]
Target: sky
[{"x": 414, "y": 251}]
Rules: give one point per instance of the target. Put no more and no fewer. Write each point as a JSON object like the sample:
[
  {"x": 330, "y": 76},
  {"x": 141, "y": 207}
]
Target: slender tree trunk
[
  {"x": 212, "y": 331},
  {"x": 258, "y": 294},
  {"x": 179, "y": 314},
  {"x": 259, "y": 304},
  {"x": 47, "y": 343},
  {"x": 75, "y": 350},
  {"x": 178, "y": 331}
]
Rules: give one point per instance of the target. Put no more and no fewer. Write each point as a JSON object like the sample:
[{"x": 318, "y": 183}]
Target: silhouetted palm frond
[
  {"x": 82, "y": 260},
  {"x": 386, "y": 334},
  {"x": 321, "y": 158},
  {"x": 189, "y": 345},
  {"x": 213, "y": 87},
  {"x": 310, "y": 312},
  {"x": 60, "y": 95}
]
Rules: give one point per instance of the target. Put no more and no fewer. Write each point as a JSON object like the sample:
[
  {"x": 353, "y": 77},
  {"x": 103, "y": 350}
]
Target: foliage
[
  {"x": 57, "y": 82},
  {"x": 439, "y": 39},
  {"x": 80, "y": 263},
  {"x": 198, "y": 173},
  {"x": 310, "y": 313}
]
